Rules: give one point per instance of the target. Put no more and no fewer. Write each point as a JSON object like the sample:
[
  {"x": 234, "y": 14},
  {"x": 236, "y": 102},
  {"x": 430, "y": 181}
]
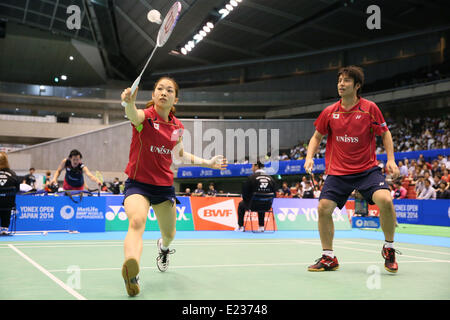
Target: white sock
[
  {"x": 329, "y": 253},
  {"x": 389, "y": 245},
  {"x": 164, "y": 248}
]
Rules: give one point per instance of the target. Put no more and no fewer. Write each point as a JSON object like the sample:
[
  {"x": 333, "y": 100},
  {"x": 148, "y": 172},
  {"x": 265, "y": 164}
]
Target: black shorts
[
  {"x": 154, "y": 194},
  {"x": 339, "y": 188}
]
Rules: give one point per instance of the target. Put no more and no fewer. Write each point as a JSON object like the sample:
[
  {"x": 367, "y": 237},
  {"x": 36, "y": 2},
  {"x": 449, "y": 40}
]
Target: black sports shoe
[
  {"x": 325, "y": 263},
  {"x": 162, "y": 261}
]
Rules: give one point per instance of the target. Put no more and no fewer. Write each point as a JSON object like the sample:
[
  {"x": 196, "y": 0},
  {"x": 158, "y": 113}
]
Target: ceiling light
[
  {"x": 229, "y": 7},
  {"x": 71, "y": 58},
  {"x": 210, "y": 25},
  {"x": 184, "y": 51},
  {"x": 233, "y": 3},
  {"x": 206, "y": 29},
  {"x": 63, "y": 77}
]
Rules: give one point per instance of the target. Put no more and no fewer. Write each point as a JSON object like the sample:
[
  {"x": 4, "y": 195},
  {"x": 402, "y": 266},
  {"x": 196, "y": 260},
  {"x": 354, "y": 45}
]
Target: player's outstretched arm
[
  {"x": 313, "y": 145},
  {"x": 184, "y": 158},
  {"x": 136, "y": 116}
]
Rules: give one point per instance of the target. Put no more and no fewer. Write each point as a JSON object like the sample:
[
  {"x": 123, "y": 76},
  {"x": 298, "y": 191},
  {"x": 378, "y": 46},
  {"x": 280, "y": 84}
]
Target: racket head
[{"x": 168, "y": 24}]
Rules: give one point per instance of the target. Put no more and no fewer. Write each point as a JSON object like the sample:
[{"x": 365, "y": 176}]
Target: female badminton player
[
  {"x": 351, "y": 125},
  {"x": 157, "y": 136},
  {"x": 75, "y": 170}
]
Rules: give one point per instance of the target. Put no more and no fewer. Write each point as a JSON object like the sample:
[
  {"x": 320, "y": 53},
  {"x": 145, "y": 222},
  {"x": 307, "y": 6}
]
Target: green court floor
[{"x": 205, "y": 269}]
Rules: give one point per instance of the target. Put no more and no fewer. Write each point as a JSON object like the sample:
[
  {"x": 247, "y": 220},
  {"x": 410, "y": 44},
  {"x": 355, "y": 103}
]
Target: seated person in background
[
  {"x": 187, "y": 192},
  {"x": 30, "y": 179},
  {"x": 211, "y": 191},
  {"x": 308, "y": 192},
  {"x": 285, "y": 191},
  {"x": 399, "y": 191},
  {"x": 115, "y": 186},
  {"x": 259, "y": 182},
  {"x": 428, "y": 191},
  {"x": 9, "y": 186},
  {"x": 74, "y": 178},
  {"x": 47, "y": 180},
  {"x": 199, "y": 191},
  {"x": 443, "y": 192}
]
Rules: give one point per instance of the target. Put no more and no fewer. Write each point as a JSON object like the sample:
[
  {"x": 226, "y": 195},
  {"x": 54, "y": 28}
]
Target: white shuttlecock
[{"x": 154, "y": 16}]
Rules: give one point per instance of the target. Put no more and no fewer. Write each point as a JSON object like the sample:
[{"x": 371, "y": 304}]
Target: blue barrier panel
[
  {"x": 292, "y": 166},
  {"x": 408, "y": 210},
  {"x": 60, "y": 213},
  {"x": 427, "y": 212},
  {"x": 244, "y": 170},
  {"x": 435, "y": 212}
]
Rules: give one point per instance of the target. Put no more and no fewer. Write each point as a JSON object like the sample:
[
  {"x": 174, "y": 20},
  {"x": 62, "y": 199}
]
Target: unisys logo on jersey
[
  {"x": 347, "y": 139},
  {"x": 160, "y": 150}
]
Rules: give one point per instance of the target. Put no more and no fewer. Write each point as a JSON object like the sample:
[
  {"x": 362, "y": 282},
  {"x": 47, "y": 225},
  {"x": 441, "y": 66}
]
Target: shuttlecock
[{"x": 154, "y": 16}]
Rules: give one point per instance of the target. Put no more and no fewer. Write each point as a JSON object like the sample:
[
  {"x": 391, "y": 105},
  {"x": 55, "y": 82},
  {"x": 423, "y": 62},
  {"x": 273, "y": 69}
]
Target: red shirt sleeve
[
  {"x": 379, "y": 125},
  {"x": 322, "y": 122}
]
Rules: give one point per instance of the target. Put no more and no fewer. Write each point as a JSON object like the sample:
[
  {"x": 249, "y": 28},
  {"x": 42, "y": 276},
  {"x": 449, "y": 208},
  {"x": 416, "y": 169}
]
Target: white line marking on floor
[{"x": 48, "y": 274}]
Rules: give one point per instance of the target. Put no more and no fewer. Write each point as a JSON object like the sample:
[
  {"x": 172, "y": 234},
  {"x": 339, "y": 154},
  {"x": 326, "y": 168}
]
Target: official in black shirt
[
  {"x": 9, "y": 186},
  {"x": 259, "y": 182}
]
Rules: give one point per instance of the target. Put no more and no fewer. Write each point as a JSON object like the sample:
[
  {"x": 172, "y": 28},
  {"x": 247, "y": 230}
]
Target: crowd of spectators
[{"x": 409, "y": 134}]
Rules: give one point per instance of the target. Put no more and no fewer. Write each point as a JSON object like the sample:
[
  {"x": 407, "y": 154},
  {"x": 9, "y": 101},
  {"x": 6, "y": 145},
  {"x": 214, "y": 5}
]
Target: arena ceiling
[{"x": 38, "y": 42}]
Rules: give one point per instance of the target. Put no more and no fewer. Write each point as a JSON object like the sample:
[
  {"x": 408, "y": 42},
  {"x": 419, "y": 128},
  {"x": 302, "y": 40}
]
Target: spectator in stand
[
  {"x": 211, "y": 191},
  {"x": 316, "y": 192},
  {"x": 187, "y": 192},
  {"x": 285, "y": 191},
  {"x": 199, "y": 192},
  {"x": 428, "y": 191},
  {"x": 427, "y": 176},
  {"x": 436, "y": 181},
  {"x": 30, "y": 179},
  {"x": 443, "y": 192},
  {"x": 419, "y": 185},
  {"x": 399, "y": 191},
  {"x": 446, "y": 175},
  {"x": 403, "y": 168}
]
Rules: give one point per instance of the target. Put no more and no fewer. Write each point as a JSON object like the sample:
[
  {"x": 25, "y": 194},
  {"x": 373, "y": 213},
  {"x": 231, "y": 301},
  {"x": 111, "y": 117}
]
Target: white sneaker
[
  {"x": 260, "y": 229},
  {"x": 162, "y": 260},
  {"x": 239, "y": 229},
  {"x": 4, "y": 231}
]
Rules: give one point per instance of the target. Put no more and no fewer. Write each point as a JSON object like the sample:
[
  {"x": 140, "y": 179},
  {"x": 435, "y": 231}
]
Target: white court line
[
  {"x": 48, "y": 274},
  {"x": 372, "y": 251},
  {"x": 246, "y": 265},
  {"x": 400, "y": 246}
]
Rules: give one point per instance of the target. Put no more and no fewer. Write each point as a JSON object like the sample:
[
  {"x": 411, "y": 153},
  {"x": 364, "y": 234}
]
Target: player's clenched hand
[
  {"x": 309, "y": 163},
  {"x": 127, "y": 97}
]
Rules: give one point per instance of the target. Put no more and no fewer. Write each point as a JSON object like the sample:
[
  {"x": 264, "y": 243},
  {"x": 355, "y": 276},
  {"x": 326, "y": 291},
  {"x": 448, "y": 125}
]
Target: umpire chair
[{"x": 261, "y": 203}]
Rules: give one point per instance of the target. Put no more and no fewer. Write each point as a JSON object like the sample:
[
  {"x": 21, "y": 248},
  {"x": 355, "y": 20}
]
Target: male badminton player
[
  {"x": 350, "y": 163},
  {"x": 157, "y": 135}
]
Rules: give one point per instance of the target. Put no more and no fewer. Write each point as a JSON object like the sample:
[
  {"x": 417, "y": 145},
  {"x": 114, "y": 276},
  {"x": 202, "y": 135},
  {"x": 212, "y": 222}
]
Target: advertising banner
[
  {"x": 301, "y": 214},
  {"x": 116, "y": 218},
  {"x": 212, "y": 213},
  {"x": 36, "y": 213}
]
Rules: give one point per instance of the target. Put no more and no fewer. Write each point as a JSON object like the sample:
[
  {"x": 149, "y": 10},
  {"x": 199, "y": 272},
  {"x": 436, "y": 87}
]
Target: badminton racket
[{"x": 164, "y": 33}]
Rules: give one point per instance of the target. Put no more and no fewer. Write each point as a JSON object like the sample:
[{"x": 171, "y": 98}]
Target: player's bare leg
[
  {"x": 383, "y": 200},
  {"x": 166, "y": 215}
]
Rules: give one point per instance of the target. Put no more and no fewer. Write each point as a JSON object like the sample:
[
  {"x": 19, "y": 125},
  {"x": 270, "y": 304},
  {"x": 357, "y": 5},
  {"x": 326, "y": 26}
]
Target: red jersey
[
  {"x": 351, "y": 136},
  {"x": 151, "y": 149}
]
